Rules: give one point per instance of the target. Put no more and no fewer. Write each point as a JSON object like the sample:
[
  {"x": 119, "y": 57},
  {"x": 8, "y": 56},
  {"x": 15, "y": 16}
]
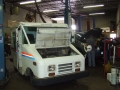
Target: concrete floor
[{"x": 95, "y": 81}]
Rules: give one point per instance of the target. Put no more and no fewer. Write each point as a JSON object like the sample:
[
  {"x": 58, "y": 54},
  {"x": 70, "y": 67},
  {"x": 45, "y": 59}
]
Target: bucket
[
  {"x": 113, "y": 75},
  {"x": 113, "y": 70}
]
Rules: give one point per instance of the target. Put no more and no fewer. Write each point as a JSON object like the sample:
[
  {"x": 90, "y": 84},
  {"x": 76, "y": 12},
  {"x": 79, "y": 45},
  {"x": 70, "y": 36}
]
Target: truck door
[
  {"x": 18, "y": 47},
  {"x": 13, "y": 48}
]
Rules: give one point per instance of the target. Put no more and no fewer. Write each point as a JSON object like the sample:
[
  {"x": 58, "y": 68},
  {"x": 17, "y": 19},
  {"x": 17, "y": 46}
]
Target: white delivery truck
[{"x": 44, "y": 52}]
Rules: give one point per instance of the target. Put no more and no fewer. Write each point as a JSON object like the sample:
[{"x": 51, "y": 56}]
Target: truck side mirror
[
  {"x": 72, "y": 36},
  {"x": 18, "y": 28}
]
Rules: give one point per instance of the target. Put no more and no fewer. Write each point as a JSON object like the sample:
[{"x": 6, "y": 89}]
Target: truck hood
[
  {"x": 94, "y": 32},
  {"x": 51, "y": 38}
]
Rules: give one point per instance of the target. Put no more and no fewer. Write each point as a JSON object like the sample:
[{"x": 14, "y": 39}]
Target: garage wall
[
  {"x": 47, "y": 19},
  {"x": 104, "y": 20},
  {"x": 100, "y": 21},
  {"x": 20, "y": 17}
]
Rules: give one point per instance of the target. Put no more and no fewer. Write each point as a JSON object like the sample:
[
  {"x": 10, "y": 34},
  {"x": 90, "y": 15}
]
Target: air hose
[{"x": 40, "y": 14}]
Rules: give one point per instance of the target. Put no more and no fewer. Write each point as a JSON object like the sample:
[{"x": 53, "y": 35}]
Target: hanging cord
[{"x": 40, "y": 14}]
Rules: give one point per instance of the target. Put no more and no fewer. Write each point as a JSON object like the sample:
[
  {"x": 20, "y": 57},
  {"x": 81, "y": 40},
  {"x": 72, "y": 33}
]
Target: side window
[
  {"x": 14, "y": 40},
  {"x": 31, "y": 34},
  {"x": 24, "y": 40}
]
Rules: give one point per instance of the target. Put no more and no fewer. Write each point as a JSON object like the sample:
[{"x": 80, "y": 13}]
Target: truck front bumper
[{"x": 61, "y": 78}]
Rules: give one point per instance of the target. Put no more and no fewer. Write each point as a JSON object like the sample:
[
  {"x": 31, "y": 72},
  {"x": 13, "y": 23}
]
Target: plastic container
[{"x": 113, "y": 75}]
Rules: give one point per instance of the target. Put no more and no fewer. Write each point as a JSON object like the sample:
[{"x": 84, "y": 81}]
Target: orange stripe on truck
[{"x": 26, "y": 53}]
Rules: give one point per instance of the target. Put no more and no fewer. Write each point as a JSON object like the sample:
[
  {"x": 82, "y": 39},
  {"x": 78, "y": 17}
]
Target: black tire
[
  {"x": 15, "y": 69},
  {"x": 31, "y": 77}
]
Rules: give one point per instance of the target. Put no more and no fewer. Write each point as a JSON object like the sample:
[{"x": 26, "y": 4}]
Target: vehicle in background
[
  {"x": 44, "y": 52},
  {"x": 81, "y": 37}
]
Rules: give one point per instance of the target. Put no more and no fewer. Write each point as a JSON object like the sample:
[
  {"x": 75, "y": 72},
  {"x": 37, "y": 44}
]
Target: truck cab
[{"x": 44, "y": 52}]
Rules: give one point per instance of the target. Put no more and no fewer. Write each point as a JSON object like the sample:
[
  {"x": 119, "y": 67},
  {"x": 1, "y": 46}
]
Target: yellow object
[{"x": 108, "y": 67}]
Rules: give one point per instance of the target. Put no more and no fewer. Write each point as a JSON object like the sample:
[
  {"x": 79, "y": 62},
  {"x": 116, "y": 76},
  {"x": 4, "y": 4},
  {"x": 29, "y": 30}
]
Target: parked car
[{"x": 81, "y": 37}]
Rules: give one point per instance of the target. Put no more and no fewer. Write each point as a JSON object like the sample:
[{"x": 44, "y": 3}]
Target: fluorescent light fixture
[
  {"x": 92, "y": 6},
  {"x": 50, "y": 10},
  {"x": 28, "y": 2},
  {"x": 59, "y": 18},
  {"x": 96, "y": 13}
]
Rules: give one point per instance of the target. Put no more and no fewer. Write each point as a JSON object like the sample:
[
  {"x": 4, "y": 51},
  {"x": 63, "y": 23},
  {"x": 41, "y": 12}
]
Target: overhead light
[
  {"x": 59, "y": 18},
  {"x": 28, "y": 2},
  {"x": 73, "y": 27},
  {"x": 50, "y": 10},
  {"x": 92, "y": 6},
  {"x": 96, "y": 13}
]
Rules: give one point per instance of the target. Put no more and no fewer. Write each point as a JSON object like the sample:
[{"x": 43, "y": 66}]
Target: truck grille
[{"x": 65, "y": 67}]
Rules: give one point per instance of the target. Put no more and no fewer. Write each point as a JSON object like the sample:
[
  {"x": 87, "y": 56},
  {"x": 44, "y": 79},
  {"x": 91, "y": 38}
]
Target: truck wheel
[
  {"x": 31, "y": 77},
  {"x": 15, "y": 69}
]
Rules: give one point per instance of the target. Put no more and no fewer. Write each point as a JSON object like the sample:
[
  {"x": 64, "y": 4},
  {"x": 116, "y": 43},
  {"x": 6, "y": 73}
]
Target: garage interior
[{"x": 79, "y": 19}]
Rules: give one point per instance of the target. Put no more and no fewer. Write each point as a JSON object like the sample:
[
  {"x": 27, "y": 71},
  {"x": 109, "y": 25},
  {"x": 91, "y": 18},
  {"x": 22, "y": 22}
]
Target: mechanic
[{"x": 91, "y": 54}]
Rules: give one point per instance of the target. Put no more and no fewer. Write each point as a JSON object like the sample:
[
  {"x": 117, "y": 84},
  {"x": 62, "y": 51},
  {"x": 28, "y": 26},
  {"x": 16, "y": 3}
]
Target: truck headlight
[
  {"x": 51, "y": 68},
  {"x": 77, "y": 64}
]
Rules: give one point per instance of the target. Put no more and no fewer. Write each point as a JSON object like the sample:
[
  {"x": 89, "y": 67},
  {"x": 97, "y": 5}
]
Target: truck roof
[{"x": 31, "y": 24}]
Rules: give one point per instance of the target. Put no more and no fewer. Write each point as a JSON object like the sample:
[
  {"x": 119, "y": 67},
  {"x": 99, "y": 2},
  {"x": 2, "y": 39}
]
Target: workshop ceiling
[{"x": 76, "y": 6}]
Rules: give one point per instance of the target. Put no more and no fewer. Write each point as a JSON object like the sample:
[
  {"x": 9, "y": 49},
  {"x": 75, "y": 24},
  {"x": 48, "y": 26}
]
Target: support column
[
  {"x": 2, "y": 61},
  {"x": 79, "y": 23},
  {"x": 67, "y": 14}
]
